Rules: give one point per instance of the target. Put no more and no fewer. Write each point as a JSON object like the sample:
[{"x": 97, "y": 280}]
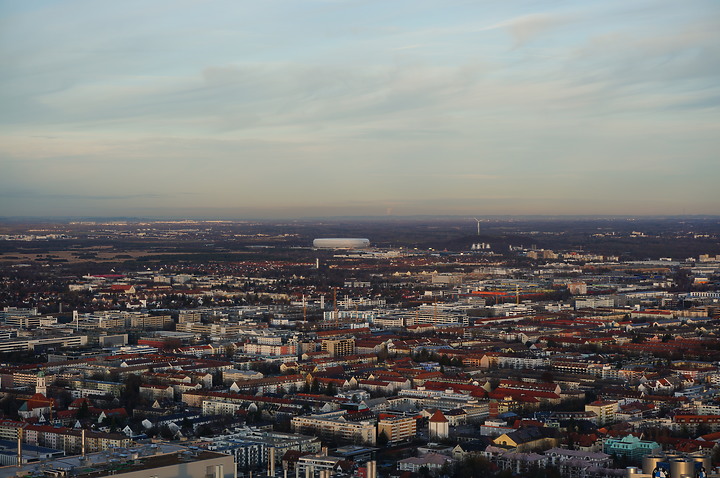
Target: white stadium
[{"x": 341, "y": 243}]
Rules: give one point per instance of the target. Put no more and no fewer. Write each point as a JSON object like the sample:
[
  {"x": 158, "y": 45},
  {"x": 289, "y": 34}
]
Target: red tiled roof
[{"x": 438, "y": 417}]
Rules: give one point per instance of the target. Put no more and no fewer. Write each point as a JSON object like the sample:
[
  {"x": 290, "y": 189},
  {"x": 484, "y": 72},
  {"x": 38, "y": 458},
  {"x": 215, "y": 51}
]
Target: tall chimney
[
  {"x": 271, "y": 462},
  {"x": 83, "y": 443},
  {"x": 19, "y": 447}
]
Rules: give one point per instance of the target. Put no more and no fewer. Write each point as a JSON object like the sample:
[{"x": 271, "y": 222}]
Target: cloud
[
  {"x": 40, "y": 195},
  {"x": 445, "y": 102},
  {"x": 526, "y": 28},
  {"x": 681, "y": 53}
]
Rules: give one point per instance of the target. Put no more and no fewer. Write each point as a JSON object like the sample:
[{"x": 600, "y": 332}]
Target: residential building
[
  {"x": 337, "y": 425},
  {"x": 397, "y": 429}
]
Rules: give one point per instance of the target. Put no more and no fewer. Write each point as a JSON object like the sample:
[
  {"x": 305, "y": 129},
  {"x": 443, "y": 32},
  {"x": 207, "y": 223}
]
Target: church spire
[{"x": 40, "y": 385}]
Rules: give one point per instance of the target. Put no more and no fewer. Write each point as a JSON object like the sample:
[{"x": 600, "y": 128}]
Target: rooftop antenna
[{"x": 478, "y": 224}]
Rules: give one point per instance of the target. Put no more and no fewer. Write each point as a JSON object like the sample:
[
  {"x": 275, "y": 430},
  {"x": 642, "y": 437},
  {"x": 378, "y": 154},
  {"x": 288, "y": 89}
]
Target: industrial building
[
  {"x": 673, "y": 465},
  {"x": 341, "y": 243}
]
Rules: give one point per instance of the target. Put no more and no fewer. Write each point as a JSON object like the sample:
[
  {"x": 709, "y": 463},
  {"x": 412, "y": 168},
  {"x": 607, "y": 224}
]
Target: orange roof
[{"x": 438, "y": 417}]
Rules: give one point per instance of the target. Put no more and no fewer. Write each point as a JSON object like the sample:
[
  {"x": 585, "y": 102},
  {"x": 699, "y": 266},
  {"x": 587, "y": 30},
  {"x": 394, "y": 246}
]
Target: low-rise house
[
  {"x": 576, "y": 459},
  {"x": 526, "y": 439},
  {"x": 517, "y": 462},
  {"x": 432, "y": 461},
  {"x": 692, "y": 422},
  {"x": 157, "y": 392},
  {"x": 470, "y": 448}
]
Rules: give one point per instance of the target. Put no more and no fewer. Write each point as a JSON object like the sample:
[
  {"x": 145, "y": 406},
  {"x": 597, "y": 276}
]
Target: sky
[{"x": 300, "y": 108}]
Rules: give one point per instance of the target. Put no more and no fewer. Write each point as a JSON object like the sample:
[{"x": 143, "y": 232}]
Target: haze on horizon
[{"x": 340, "y": 108}]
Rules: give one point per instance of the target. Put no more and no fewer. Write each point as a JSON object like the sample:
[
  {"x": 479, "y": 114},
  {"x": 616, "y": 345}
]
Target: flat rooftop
[{"x": 119, "y": 460}]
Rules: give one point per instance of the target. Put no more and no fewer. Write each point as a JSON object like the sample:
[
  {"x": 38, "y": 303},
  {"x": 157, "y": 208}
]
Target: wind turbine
[{"x": 478, "y": 222}]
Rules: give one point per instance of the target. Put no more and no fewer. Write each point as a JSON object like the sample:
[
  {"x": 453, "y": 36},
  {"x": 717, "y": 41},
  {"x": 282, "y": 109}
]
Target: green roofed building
[{"x": 630, "y": 447}]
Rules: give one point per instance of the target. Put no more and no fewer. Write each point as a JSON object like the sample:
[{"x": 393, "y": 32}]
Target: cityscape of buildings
[
  {"x": 352, "y": 359},
  {"x": 359, "y": 239}
]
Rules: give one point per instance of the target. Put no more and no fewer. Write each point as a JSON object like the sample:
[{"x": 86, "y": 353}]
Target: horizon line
[{"x": 177, "y": 218}]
